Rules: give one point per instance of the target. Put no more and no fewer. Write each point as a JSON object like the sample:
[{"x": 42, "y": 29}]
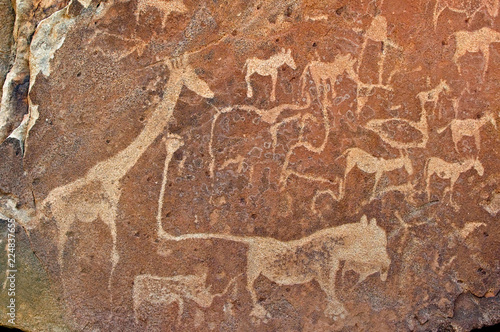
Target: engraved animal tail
[
  {"x": 245, "y": 65},
  {"x": 443, "y": 129},
  {"x": 344, "y": 154},
  {"x": 303, "y": 78},
  {"x": 231, "y": 282}
]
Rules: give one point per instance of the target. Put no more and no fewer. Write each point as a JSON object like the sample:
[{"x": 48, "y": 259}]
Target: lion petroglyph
[
  {"x": 174, "y": 289},
  {"x": 373, "y": 165},
  {"x": 449, "y": 171},
  {"x": 475, "y": 41},
  {"x": 468, "y": 127},
  {"x": 166, "y": 7},
  {"x": 362, "y": 246},
  {"x": 268, "y": 67},
  {"x": 97, "y": 194}
]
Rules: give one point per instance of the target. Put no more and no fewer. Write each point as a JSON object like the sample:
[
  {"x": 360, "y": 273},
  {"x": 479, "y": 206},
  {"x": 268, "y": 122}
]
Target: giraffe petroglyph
[
  {"x": 449, "y": 171},
  {"x": 468, "y": 127},
  {"x": 268, "y": 67},
  {"x": 362, "y": 246},
  {"x": 97, "y": 194}
]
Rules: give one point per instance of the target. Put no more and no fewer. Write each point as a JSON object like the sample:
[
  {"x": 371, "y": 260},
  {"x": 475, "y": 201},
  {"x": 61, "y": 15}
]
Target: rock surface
[{"x": 268, "y": 165}]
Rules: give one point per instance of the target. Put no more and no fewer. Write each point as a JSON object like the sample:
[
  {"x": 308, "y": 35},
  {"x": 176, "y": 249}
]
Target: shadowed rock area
[{"x": 277, "y": 165}]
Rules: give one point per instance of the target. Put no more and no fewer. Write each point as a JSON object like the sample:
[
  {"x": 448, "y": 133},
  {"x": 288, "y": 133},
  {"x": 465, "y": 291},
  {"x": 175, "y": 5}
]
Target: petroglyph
[
  {"x": 175, "y": 289},
  {"x": 97, "y": 194},
  {"x": 379, "y": 126},
  {"x": 468, "y": 127},
  {"x": 475, "y": 41},
  {"x": 378, "y": 33},
  {"x": 166, "y": 7},
  {"x": 329, "y": 192},
  {"x": 268, "y": 67},
  {"x": 469, "y": 8},
  {"x": 451, "y": 171},
  {"x": 269, "y": 116},
  {"x": 432, "y": 96},
  {"x": 373, "y": 165},
  {"x": 363, "y": 246},
  {"x": 322, "y": 72}
]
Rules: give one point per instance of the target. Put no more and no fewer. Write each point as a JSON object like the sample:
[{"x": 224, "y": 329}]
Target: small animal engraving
[
  {"x": 451, "y": 171},
  {"x": 166, "y": 7},
  {"x": 373, "y": 165},
  {"x": 468, "y": 127},
  {"x": 268, "y": 67},
  {"x": 475, "y": 41},
  {"x": 175, "y": 289}
]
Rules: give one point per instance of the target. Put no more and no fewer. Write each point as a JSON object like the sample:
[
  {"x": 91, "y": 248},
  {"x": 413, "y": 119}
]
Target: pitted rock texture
[{"x": 259, "y": 165}]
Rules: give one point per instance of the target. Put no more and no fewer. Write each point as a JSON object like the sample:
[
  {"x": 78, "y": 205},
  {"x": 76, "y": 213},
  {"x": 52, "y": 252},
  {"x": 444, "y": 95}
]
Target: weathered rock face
[{"x": 270, "y": 165}]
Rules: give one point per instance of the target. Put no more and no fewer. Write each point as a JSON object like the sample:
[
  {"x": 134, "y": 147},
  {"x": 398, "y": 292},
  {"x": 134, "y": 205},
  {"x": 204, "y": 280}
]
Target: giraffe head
[{"x": 182, "y": 73}]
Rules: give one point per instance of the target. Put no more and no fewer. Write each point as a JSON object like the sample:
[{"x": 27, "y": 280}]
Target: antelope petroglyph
[
  {"x": 166, "y": 7},
  {"x": 449, "y": 171},
  {"x": 174, "y": 289},
  {"x": 475, "y": 41},
  {"x": 362, "y": 246},
  {"x": 373, "y": 165},
  {"x": 268, "y": 67},
  {"x": 468, "y": 127},
  {"x": 97, "y": 194}
]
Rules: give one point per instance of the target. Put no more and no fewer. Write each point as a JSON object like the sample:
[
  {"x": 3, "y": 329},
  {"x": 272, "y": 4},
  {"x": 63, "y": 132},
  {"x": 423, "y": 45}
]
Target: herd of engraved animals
[{"x": 265, "y": 255}]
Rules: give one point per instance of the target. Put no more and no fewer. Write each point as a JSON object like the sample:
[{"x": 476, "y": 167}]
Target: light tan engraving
[
  {"x": 373, "y": 165},
  {"x": 175, "y": 289},
  {"x": 451, "y": 171},
  {"x": 379, "y": 125},
  {"x": 321, "y": 72},
  {"x": 432, "y": 96},
  {"x": 97, "y": 194},
  {"x": 329, "y": 192},
  {"x": 468, "y": 127},
  {"x": 466, "y": 7},
  {"x": 166, "y": 7},
  {"x": 268, "y": 67},
  {"x": 378, "y": 33},
  {"x": 363, "y": 246},
  {"x": 475, "y": 41}
]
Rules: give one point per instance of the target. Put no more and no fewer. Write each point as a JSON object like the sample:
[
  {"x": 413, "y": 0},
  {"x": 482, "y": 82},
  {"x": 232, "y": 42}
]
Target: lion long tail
[
  {"x": 440, "y": 130},
  {"x": 303, "y": 78}
]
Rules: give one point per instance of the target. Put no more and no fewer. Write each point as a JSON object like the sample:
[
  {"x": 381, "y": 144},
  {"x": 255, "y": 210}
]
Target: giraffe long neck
[{"x": 114, "y": 168}]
